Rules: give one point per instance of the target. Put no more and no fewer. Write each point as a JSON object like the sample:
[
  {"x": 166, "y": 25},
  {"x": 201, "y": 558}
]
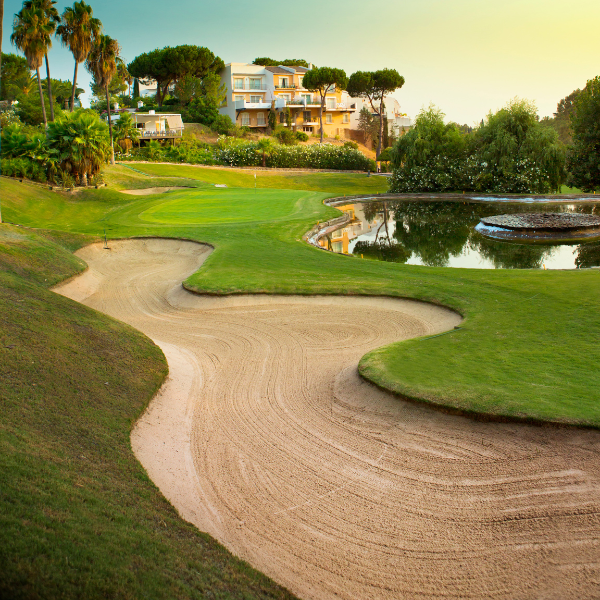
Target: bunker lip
[{"x": 155, "y": 190}]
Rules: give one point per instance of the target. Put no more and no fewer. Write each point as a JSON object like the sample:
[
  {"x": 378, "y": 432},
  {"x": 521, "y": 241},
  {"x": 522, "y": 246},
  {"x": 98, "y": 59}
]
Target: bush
[
  {"x": 285, "y": 136},
  {"x": 326, "y": 156},
  {"x": 509, "y": 153},
  {"x": 301, "y": 136},
  {"x": 223, "y": 125},
  {"x": 351, "y": 144}
]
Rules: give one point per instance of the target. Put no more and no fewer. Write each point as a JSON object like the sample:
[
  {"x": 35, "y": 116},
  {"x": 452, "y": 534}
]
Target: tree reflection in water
[{"x": 435, "y": 231}]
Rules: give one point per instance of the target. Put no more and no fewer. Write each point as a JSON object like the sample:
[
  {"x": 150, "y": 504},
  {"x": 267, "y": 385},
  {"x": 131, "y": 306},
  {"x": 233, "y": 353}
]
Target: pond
[{"x": 442, "y": 233}]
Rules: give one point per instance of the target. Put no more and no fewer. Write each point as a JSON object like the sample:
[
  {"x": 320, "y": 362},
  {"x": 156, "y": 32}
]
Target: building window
[
  {"x": 236, "y": 98},
  {"x": 238, "y": 84},
  {"x": 260, "y": 120},
  {"x": 330, "y": 102},
  {"x": 245, "y": 119},
  {"x": 305, "y": 115},
  {"x": 308, "y": 129},
  {"x": 254, "y": 99},
  {"x": 286, "y": 97},
  {"x": 307, "y": 98},
  {"x": 328, "y": 118},
  {"x": 255, "y": 84},
  {"x": 284, "y": 82},
  {"x": 281, "y": 117},
  {"x": 346, "y": 118}
]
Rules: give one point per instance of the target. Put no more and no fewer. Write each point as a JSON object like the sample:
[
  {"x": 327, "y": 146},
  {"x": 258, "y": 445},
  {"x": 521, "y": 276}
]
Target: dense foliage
[
  {"x": 288, "y": 62},
  {"x": 172, "y": 64},
  {"x": 511, "y": 152},
  {"x": 73, "y": 150},
  {"x": 584, "y": 156},
  {"x": 236, "y": 152}
]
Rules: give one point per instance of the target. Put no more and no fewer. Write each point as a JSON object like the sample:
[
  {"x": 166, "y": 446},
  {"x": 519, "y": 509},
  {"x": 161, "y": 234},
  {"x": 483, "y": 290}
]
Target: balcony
[
  {"x": 251, "y": 87},
  {"x": 154, "y": 135},
  {"x": 244, "y": 105},
  {"x": 253, "y": 122},
  {"x": 292, "y": 86}
]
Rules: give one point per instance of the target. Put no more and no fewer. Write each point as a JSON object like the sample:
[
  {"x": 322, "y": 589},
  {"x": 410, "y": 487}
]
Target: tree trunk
[
  {"x": 50, "y": 99},
  {"x": 112, "y": 145},
  {"x": 321, "y": 115},
  {"x": 380, "y": 127},
  {"x": 42, "y": 97},
  {"x": 264, "y": 159},
  {"x": 74, "y": 87}
]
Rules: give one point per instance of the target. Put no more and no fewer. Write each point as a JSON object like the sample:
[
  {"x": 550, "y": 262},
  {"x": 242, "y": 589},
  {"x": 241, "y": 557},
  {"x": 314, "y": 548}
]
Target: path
[{"x": 265, "y": 437}]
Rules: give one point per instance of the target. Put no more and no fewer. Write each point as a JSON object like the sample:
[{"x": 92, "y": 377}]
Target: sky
[{"x": 468, "y": 57}]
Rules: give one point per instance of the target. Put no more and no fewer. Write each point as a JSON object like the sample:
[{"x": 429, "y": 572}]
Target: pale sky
[{"x": 466, "y": 56}]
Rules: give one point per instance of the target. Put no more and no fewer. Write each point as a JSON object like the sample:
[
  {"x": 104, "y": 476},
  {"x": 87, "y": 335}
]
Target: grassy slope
[
  {"x": 79, "y": 517},
  {"x": 527, "y": 348}
]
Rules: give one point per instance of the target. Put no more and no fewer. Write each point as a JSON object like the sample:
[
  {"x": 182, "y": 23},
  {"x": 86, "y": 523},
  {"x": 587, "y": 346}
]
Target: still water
[{"x": 443, "y": 234}]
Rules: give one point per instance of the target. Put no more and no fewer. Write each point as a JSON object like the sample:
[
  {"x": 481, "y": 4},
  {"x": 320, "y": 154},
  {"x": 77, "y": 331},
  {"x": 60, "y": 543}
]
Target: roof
[{"x": 286, "y": 70}]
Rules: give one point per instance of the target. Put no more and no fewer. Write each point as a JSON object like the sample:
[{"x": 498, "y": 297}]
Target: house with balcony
[
  {"x": 254, "y": 90},
  {"x": 158, "y": 126}
]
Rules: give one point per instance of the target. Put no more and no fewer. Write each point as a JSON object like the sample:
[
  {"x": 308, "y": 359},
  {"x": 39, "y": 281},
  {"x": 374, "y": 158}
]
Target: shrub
[
  {"x": 351, "y": 144},
  {"x": 285, "y": 136},
  {"x": 326, "y": 156},
  {"x": 223, "y": 125},
  {"x": 509, "y": 153},
  {"x": 301, "y": 136}
]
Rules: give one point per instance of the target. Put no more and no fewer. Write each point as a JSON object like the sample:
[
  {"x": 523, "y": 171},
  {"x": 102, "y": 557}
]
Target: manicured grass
[
  {"x": 527, "y": 347},
  {"x": 79, "y": 517}
]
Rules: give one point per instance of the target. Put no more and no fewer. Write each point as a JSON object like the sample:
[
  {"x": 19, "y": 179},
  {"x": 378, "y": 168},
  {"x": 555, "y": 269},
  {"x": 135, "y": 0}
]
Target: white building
[{"x": 398, "y": 122}]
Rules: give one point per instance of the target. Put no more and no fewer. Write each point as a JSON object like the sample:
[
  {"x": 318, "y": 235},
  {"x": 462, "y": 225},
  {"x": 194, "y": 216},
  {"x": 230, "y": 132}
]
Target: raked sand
[{"x": 265, "y": 437}]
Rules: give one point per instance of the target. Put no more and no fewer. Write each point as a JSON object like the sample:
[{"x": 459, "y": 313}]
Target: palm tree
[
  {"x": 126, "y": 132},
  {"x": 266, "y": 146},
  {"x": 101, "y": 63},
  {"x": 77, "y": 31},
  {"x": 23, "y": 85},
  {"x": 31, "y": 35},
  {"x": 48, "y": 8}
]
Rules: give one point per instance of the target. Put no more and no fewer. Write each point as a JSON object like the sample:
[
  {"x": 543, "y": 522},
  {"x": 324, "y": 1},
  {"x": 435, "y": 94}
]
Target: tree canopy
[
  {"x": 374, "y": 86},
  {"x": 168, "y": 65},
  {"x": 14, "y": 68},
  {"x": 323, "y": 80},
  {"x": 584, "y": 156},
  {"x": 288, "y": 62}
]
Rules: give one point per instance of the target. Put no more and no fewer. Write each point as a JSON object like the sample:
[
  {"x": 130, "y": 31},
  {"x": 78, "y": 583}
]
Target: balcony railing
[
  {"x": 244, "y": 105},
  {"x": 291, "y": 86},
  {"x": 175, "y": 132},
  {"x": 250, "y": 87}
]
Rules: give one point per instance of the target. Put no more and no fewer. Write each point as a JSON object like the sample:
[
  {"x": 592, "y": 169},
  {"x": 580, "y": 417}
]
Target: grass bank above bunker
[{"x": 79, "y": 518}]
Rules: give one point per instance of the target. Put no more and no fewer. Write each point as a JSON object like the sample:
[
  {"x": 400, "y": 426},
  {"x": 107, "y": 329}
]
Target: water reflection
[{"x": 442, "y": 234}]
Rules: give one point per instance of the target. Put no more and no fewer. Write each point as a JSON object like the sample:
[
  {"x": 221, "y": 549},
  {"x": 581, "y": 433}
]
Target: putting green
[{"x": 224, "y": 206}]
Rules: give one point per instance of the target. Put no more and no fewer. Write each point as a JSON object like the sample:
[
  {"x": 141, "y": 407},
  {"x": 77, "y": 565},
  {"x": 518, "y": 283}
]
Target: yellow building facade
[{"x": 253, "y": 91}]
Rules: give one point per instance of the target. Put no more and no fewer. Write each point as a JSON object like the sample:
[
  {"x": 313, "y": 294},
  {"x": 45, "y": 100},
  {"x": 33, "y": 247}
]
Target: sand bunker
[
  {"x": 265, "y": 437},
  {"x": 154, "y": 190}
]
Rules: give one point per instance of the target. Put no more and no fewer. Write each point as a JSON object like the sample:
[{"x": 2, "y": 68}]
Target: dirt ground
[{"x": 265, "y": 437}]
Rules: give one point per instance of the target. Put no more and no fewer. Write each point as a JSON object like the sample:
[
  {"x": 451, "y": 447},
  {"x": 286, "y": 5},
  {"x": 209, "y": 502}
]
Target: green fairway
[
  {"x": 527, "y": 348},
  {"x": 224, "y": 206}
]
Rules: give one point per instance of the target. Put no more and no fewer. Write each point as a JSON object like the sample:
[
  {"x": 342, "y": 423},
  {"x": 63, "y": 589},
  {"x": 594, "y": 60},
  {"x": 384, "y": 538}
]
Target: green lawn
[{"x": 78, "y": 515}]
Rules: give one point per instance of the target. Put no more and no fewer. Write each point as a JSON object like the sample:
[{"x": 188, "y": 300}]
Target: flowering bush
[
  {"x": 315, "y": 156},
  {"x": 509, "y": 153}
]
